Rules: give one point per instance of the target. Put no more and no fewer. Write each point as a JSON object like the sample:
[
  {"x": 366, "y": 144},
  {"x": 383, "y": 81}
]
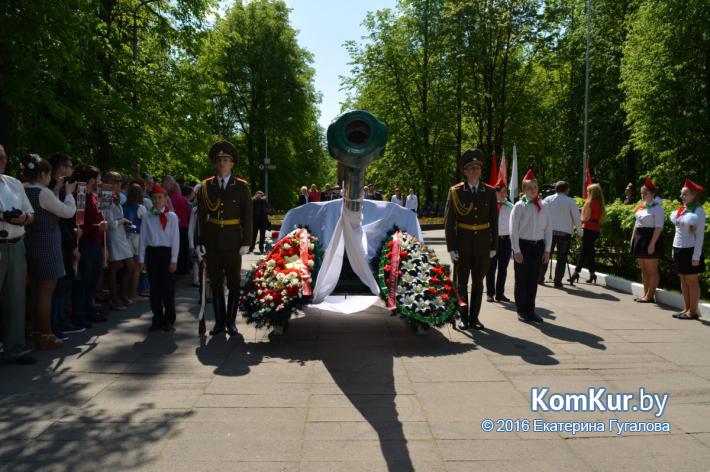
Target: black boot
[
  {"x": 463, "y": 323},
  {"x": 220, "y": 313},
  {"x": 475, "y": 323},
  {"x": 232, "y": 302}
]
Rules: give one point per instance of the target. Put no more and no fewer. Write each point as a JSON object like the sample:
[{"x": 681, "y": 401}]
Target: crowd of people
[
  {"x": 312, "y": 194},
  {"x": 68, "y": 230},
  {"x": 532, "y": 228}
]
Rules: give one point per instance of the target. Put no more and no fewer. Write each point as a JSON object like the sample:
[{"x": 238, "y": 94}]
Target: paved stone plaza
[{"x": 360, "y": 392}]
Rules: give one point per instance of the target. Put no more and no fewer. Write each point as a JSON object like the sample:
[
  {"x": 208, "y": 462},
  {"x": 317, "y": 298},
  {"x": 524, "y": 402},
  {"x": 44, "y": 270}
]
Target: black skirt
[
  {"x": 642, "y": 239},
  {"x": 683, "y": 261}
]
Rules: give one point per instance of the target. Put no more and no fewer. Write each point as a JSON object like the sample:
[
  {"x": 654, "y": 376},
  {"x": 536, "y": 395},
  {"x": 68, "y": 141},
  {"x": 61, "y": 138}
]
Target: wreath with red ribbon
[
  {"x": 414, "y": 283},
  {"x": 282, "y": 281}
]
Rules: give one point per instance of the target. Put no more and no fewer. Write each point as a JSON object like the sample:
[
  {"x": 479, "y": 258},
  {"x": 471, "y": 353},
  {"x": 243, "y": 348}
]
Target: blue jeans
[
  {"x": 143, "y": 285},
  {"x": 84, "y": 287},
  {"x": 499, "y": 262}
]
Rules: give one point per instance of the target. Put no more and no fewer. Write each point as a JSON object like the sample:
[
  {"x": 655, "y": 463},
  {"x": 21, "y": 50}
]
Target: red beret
[
  {"x": 648, "y": 183},
  {"x": 693, "y": 186}
]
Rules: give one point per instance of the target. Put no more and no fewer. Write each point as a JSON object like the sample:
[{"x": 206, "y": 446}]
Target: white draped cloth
[{"x": 340, "y": 230}]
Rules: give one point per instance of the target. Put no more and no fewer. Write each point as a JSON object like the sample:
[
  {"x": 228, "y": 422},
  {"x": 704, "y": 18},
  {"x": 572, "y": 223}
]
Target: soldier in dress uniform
[
  {"x": 471, "y": 228},
  {"x": 224, "y": 211}
]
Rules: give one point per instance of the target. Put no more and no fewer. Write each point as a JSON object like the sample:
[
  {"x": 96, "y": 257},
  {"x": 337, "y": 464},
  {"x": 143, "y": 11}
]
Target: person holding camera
[
  {"x": 62, "y": 170},
  {"x": 17, "y": 212},
  {"x": 45, "y": 263}
]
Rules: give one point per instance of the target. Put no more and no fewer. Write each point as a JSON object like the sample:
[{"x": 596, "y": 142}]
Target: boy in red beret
[{"x": 159, "y": 248}]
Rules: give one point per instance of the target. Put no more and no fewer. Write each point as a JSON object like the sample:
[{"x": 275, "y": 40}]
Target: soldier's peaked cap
[
  {"x": 472, "y": 156},
  {"x": 223, "y": 149}
]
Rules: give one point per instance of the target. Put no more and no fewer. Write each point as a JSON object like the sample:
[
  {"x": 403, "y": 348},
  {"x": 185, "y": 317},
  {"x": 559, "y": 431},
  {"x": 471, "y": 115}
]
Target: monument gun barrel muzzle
[{"x": 355, "y": 139}]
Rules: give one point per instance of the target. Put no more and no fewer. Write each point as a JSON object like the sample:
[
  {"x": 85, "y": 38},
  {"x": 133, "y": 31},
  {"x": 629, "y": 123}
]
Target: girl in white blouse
[
  {"x": 688, "y": 258},
  {"x": 646, "y": 242},
  {"x": 43, "y": 241}
]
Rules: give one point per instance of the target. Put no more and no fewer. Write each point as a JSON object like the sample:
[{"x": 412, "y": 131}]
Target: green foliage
[
  {"x": 148, "y": 85},
  {"x": 248, "y": 103},
  {"x": 666, "y": 77}
]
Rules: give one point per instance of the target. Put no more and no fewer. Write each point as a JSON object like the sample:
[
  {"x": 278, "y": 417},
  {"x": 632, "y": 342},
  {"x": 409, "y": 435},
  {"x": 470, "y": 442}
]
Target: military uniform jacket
[
  {"x": 465, "y": 208},
  {"x": 215, "y": 205}
]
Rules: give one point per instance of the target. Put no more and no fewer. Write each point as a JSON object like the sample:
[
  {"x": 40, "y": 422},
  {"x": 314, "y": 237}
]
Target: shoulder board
[
  {"x": 457, "y": 186},
  {"x": 239, "y": 179},
  {"x": 208, "y": 179}
]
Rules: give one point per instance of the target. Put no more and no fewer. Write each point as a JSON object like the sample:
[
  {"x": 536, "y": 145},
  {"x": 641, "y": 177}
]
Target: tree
[{"x": 665, "y": 76}]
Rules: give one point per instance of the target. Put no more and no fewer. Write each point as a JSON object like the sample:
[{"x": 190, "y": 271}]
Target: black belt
[
  {"x": 535, "y": 241},
  {"x": 560, "y": 233},
  {"x": 503, "y": 236},
  {"x": 10, "y": 241}
]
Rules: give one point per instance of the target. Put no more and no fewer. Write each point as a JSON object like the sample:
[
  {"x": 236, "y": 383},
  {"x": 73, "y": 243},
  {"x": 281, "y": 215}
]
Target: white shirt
[
  {"x": 153, "y": 235},
  {"x": 504, "y": 219},
  {"x": 397, "y": 200},
  {"x": 12, "y": 195},
  {"x": 528, "y": 223},
  {"x": 650, "y": 217},
  {"x": 412, "y": 202},
  {"x": 689, "y": 230},
  {"x": 564, "y": 213},
  {"x": 223, "y": 182},
  {"x": 50, "y": 202},
  {"x": 474, "y": 188}
]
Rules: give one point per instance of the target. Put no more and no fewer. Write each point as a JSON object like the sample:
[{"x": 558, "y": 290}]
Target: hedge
[{"x": 614, "y": 251}]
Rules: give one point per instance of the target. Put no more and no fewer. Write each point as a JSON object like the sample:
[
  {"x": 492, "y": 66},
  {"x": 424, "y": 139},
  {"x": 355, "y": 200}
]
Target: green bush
[{"x": 614, "y": 249}]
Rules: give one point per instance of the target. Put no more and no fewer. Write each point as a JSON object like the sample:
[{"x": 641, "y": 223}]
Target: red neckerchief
[
  {"x": 163, "y": 218},
  {"x": 680, "y": 211}
]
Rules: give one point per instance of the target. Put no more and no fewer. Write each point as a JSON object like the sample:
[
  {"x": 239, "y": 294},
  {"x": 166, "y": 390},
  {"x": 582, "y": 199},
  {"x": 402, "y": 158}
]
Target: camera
[{"x": 8, "y": 215}]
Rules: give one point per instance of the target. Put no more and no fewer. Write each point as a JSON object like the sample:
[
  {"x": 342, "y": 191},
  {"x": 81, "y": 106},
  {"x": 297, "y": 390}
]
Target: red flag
[
  {"x": 502, "y": 172},
  {"x": 493, "y": 178},
  {"x": 588, "y": 181}
]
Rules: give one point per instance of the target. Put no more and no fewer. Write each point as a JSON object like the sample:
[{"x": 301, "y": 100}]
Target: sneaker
[
  {"x": 61, "y": 336},
  {"x": 70, "y": 329}
]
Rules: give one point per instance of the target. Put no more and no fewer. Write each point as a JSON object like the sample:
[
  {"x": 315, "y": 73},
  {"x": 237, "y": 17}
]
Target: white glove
[
  {"x": 492, "y": 254},
  {"x": 454, "y": 255},
  {"x": 243, "y": 250},
  {"x": 200, "y": 251}
]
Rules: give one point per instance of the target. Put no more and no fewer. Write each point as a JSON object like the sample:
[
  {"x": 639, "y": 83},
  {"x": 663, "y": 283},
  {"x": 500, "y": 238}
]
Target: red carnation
[{"x": 445, "y": 297}]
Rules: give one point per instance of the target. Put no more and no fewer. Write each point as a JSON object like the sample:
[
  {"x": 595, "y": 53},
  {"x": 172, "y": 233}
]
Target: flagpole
[{"x": 586, "y": 97}]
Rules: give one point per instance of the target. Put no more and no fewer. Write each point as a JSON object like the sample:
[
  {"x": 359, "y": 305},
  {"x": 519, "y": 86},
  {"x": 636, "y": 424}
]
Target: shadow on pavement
[{"x": 505, "y": 345}]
